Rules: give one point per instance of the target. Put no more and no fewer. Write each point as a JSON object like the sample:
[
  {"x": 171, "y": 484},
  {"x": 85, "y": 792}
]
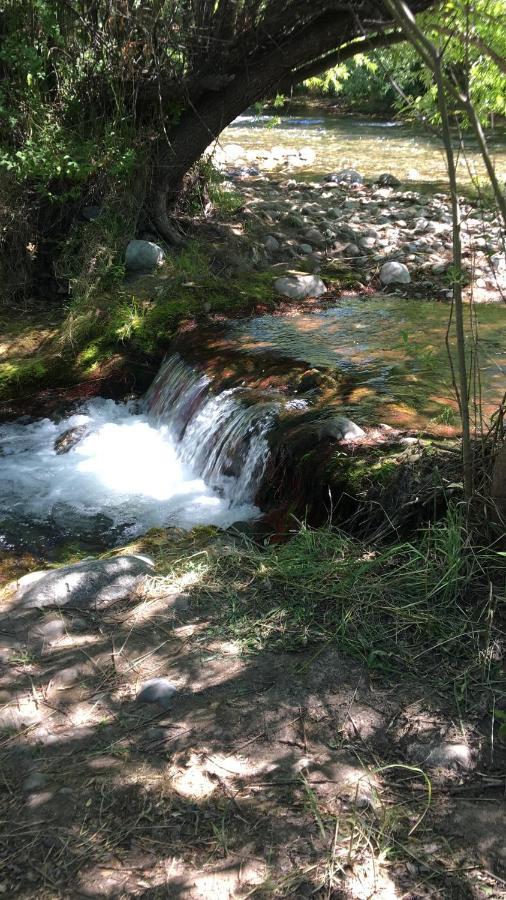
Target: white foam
[{"x": 127, "y": 468}]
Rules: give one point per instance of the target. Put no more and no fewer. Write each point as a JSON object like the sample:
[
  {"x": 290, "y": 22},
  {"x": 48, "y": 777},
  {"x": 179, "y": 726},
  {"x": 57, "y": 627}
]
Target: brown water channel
[
  {"x": 391, "y": 353},
  {"x": 372, "y": 147}
]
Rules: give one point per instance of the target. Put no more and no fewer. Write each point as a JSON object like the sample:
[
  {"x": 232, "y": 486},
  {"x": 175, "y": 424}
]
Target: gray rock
[
  {"x": 143, "y": 256},
  {"x": 91, "y": 583},
  {"x": 271, "y": 244},
  {"x": 70, "y": 438},
  {"x": 91, "y": 213},
  {"x": 157, "y": 690},
  {"x": 498, "y": 262},
  {"x": 298, "y": 287},
  {"x": 47, "y": 631},
  {"x": 305, "y": 248},
  {"x": 347, "y": 233},
  {"x": 394, "y": 273},
  {"x": 367, "y": 243},
  {"x": 345, "y": 176},
  {"x": 314, "y": 236},
  {"x": 387, "y": 180},
  {"x": 351, "y": 250}
]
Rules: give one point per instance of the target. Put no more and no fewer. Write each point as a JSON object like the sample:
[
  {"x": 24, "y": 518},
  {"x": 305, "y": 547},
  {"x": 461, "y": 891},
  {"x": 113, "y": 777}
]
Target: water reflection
[{"x": 391, "y": 352}]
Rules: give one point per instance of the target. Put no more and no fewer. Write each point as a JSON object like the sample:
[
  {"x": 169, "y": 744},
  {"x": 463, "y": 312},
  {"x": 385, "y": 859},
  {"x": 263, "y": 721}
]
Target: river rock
[
  {"x": 394, "y": 273},
  {"x": 143, "y": 256},
  {"x": 339, "y": 428},
  {"x": 70, "y": 438},
  {"x": 91, "y": 583},
  {"x": 271, "y": 244},
  {"x": 299, "y": 286},
  {"x": 242, "y": 172},
  {"x": 233, "y": 152},
  {"x": 308, "y": 154},
  {"x": 387, "y": 180},
  {"x": 314, "y": 236},
  {"x": 345, "y": 176},
  {"x": 157, "y": 690}
]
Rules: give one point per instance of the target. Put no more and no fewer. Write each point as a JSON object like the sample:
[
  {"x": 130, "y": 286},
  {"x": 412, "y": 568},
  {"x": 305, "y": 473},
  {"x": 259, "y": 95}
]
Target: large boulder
[
  {"x": 299, "y": 286},
  {"x": 143, "y": 256},
  {"x": 394, "y": 273},
  {"x": 92, "y": 583}
]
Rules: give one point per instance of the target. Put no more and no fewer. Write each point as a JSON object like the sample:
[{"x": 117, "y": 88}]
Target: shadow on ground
[{"x": 271, "y": 775}]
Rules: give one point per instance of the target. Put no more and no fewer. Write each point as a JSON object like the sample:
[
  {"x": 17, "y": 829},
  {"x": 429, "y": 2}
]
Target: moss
[
  {"x": 133, "y": 321},
  {"x": 19, "y": 374}
]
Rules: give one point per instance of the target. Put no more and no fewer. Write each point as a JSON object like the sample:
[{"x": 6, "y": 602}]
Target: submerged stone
[{"x": 91, "y": 583}]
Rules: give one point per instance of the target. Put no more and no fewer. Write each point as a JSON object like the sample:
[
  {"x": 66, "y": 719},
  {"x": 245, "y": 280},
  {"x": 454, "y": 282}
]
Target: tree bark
[{"x": 330, "y": 36}]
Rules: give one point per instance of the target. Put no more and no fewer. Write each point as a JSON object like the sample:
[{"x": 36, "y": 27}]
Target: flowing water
[
  {"x": 392, "y": 355},
  {"x": 184, "y": 457},
  {"x": 372, "y": 147},
  {"x": 188, "y": 455}
]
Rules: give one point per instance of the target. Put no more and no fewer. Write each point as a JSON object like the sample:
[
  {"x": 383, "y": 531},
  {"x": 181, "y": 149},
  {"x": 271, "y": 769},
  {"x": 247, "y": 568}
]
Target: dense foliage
[{"x": 472, "y": 40}]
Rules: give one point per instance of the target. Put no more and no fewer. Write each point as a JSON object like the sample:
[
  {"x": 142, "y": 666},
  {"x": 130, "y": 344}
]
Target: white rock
[
  {"x": 394, "y": 273},
  {"x": 299, "y": 286}
]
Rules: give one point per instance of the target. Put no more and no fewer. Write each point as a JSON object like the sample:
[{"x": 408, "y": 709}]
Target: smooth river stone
[
  {"x": 92, "y": 583},
  {"x": 298, "y": 287}
]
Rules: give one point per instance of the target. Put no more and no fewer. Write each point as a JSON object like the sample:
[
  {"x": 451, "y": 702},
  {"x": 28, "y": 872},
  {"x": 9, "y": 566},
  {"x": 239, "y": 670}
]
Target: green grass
[{"x": 420, "y": 605}]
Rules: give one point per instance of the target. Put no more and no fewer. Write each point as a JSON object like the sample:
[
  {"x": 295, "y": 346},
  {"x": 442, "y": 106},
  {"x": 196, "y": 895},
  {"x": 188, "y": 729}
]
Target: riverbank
[
  {"x": 342, "y": 229},
  {"x": 327, "y": 716},
  {"x": 328, "y": 726}
]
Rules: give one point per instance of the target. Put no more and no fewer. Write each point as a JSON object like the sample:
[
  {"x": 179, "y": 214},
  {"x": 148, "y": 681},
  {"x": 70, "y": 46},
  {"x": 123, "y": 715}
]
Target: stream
[
  {"x": 191, "y": 452},
  {"x": 373, "y": 147}
]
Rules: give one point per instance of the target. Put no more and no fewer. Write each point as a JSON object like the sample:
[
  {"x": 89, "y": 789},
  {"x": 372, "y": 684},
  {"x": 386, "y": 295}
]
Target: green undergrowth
[
  {"x": 428, "y": 605},
  {"x": 107, "y": 316},
  {"x": 143, "y": 316}
]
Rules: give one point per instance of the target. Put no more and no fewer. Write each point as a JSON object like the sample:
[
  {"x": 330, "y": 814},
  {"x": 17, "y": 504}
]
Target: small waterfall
[
  {"x": 222, "y": 437},
  {"x": 186, "y": 456}
]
